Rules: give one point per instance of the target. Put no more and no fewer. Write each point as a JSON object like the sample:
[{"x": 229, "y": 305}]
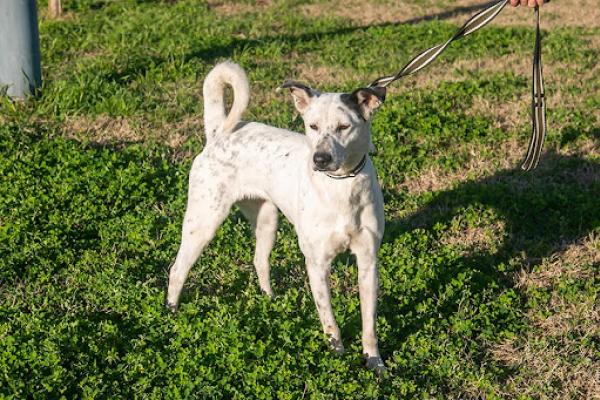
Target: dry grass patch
[
  {"x": 105, "y": 129},
  {"x": 102, "y": 129},
  {"x": 547, "y": 372},
  {"x": 576, "y": 13},
  {"x": 235, "y": 8},
  {"x": 322, "y": 75},
  {"x": 552, "y": 360},
  {"x": 571, "y": 261},
  {"x": 557, "y": 14},
  {"x": 364, "y": 13},
  {"x": 515, "y": 113},
  {"x": 566, "y": 318},
  {"x": 474, "y": 239},
  {"x": 559, "y": 79},
  {"x": 506, "y": 115},
  {"x": 506, "y": 155},
  {"x": 484, "y": 161},
  {"x": 453, "y": 72},
  {"x": 440, "y": 71}
]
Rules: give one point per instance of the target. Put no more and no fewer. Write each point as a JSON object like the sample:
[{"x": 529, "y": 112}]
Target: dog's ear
[
  {"x": 301, "y": 94},
  {"x": 365, "y": 100}
]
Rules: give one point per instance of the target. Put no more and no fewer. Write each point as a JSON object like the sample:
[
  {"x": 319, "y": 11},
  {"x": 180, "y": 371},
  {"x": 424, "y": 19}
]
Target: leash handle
[
  {"x": 538, "y": 104},
  {"x": 476, "y": 22}
]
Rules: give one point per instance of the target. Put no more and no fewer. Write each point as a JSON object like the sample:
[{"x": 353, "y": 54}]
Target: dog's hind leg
[
  {"x": 262, "y": 214},
  {"x": 208, "y": 205}
]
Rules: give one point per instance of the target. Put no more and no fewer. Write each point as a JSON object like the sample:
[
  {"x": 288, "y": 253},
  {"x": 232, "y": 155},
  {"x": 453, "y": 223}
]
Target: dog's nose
[{"x": 322, "y": 159}]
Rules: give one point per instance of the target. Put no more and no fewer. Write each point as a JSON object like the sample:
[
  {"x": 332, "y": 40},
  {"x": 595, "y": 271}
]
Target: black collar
[{"x": 354, "y": 171}]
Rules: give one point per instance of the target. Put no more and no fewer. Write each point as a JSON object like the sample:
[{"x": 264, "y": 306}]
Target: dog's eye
[
  {"x": 314, "y": 127},
  {"x": 343, "y": 127}
]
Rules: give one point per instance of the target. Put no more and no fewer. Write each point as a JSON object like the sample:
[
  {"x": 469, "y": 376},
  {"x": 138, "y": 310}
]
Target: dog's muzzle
[{"x": 322, "y": 160}]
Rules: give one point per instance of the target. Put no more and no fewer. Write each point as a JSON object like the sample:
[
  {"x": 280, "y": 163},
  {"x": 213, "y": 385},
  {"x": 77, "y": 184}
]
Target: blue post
[{"x": 20, "y": 70}]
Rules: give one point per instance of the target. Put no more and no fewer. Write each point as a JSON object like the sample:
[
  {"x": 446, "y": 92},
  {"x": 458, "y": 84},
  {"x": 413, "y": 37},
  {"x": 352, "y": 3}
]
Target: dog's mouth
[{"x": 324, "y": 169}]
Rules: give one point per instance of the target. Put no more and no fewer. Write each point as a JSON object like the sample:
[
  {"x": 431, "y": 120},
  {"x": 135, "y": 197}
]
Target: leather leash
[{"x": 538, "y": 103}]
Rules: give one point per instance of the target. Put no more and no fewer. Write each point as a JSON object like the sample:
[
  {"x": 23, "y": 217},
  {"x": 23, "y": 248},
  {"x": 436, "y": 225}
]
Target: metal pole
[{"x": 20, "y": 70}]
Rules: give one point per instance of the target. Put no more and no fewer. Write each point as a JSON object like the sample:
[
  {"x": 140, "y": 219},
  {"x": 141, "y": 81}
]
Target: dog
[{"x": 323, "y": 182}]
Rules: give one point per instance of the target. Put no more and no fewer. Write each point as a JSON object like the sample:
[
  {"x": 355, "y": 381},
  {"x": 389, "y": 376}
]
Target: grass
[{"x": 489, "y": 276}]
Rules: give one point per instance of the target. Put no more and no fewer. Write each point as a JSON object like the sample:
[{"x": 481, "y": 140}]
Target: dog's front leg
[
  {"x": 365, "y": 249},
  {"x": 318, "y": 275}
]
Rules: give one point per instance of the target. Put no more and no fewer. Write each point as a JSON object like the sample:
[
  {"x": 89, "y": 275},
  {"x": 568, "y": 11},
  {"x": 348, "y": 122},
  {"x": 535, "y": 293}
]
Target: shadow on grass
[{"x": 543, "y": 212}]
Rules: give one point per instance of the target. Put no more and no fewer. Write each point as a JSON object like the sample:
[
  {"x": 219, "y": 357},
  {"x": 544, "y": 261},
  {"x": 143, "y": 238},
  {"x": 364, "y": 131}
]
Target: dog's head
[{"x": 338, "y": 125}]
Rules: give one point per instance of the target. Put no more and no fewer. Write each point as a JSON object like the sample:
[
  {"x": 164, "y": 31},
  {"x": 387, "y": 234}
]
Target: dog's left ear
[
  {"x": 301, "y": 93},
  {"x": 365, "y": 100}
]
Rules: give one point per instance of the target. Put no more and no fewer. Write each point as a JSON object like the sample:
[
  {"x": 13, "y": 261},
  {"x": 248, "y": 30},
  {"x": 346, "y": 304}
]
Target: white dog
[{"x": 323, "y": 182}]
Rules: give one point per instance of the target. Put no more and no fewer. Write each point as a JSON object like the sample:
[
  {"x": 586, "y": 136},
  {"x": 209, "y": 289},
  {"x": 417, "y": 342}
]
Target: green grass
[{"x": 89, "y": 227}]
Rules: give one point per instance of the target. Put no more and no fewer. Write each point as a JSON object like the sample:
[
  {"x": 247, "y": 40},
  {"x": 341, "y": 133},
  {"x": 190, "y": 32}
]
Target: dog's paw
[
  {"x": 172, "y": 307},
  {"x": 336, "y": 345},
  {"x": 376, "y": 365}
]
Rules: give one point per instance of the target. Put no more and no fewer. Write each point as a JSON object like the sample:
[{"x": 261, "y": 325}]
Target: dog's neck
[
  {"x": 341, "y": 193},
  {"x": 352, "y": 173},
  {"x": 349, "y": 175}
]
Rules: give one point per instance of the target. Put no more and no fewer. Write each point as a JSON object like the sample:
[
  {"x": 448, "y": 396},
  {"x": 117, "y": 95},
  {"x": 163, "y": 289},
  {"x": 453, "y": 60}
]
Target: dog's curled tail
[{"x": 215, "y": 117}]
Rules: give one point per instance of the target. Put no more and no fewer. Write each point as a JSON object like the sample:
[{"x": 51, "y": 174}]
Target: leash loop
[
  {"x": 538, "y": 104},
  {"x": 473, "y": 24}
]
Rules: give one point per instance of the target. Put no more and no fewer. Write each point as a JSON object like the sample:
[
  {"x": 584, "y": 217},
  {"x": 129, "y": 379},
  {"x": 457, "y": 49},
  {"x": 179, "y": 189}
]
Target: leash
[{"x": 538, "y": 103}]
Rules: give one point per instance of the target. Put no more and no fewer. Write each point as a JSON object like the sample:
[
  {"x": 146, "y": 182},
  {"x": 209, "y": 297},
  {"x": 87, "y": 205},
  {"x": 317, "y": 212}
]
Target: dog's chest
[
  {"x": 334, "y": 217},
  {"x": 342, "y": 232}
]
